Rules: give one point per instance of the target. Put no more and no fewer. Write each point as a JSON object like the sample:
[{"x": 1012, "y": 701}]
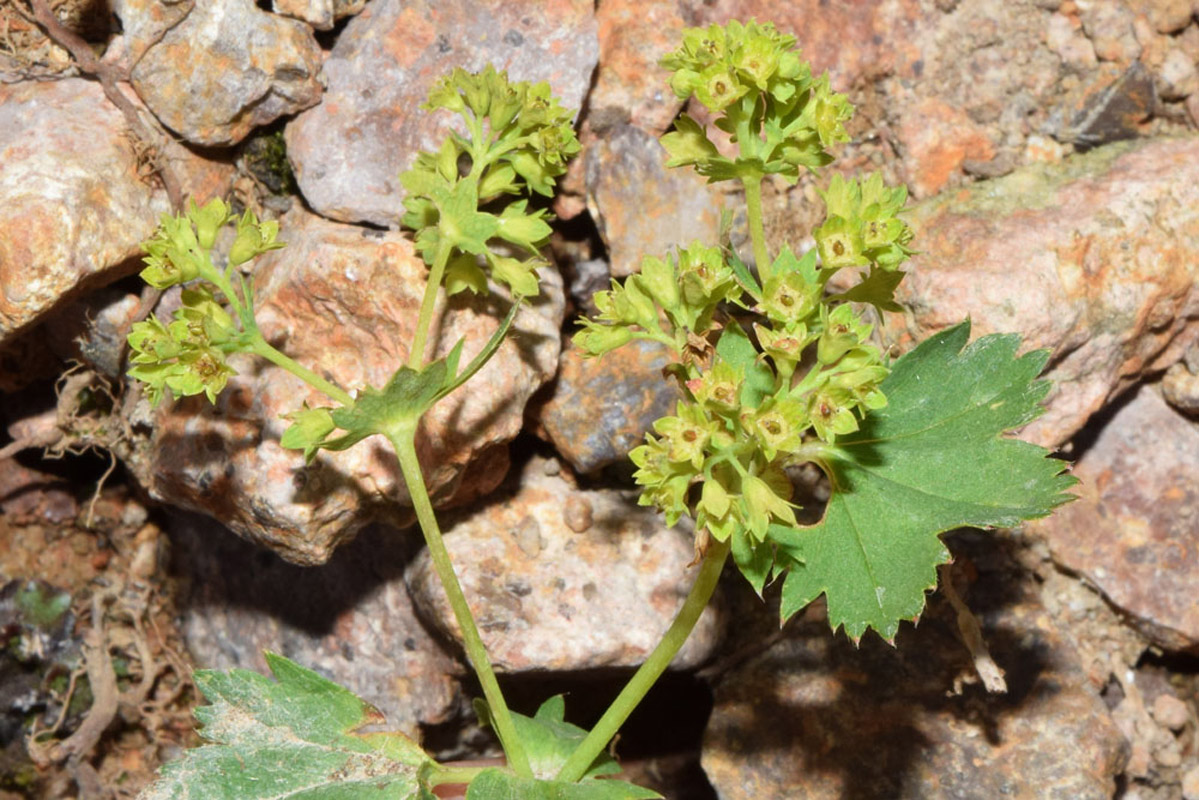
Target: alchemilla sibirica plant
[{"x": 776, "y": 363}]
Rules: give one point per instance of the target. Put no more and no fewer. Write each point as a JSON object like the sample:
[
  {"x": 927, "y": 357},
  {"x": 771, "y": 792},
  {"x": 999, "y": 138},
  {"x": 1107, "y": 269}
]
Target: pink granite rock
[
  {"x": 343, "y": 300},
  {"x": 564, "y": 579},
  {"x": 75, "y": 199},
  {"x": 227, "y": 68},
  {"x": 349, "y": 150},
  {"x": 1134, "y": 531},
  {"x": 1096, "y": 259}
]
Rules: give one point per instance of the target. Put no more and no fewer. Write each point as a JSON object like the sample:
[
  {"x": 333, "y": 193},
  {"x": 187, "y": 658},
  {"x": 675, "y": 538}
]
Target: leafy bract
[
  {"x": 549, "y": 741},
  {"x": 290, "y": 739},
  {"x": 933, "y": 459},
  {"x": 495, "y": 784}
]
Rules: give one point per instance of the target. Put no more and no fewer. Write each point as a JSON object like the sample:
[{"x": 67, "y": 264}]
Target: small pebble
[
  {"x": 1170, "y": 712},
  {"x": 1190, "y": 784},
  {"x": 577, "y": 514},
  {"x": 528, "y": 537}
]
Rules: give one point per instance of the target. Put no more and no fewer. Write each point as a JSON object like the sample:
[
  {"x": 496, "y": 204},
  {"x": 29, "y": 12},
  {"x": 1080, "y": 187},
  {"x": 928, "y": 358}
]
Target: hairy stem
[
  {"x": 649, "y": 672},
  {"x": 757, "y": 232},
  {"x": 404, "y": 441},
  {"x": 416, "y": 356}
]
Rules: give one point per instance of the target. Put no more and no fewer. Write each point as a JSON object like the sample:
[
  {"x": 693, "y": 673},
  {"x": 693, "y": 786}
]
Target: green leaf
[
  {"x": 495, "y": 784},
  {"x": 290, "y": 738},
  {"x": 736, "y": 348},
  {"x": 550, "y": 740},
  {"x": 406, "y": 396},
  {"x": 933, "y": 459}
]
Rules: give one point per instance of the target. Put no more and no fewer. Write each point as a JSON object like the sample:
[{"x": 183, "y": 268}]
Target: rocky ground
[{"x": 1051, "y": 151}]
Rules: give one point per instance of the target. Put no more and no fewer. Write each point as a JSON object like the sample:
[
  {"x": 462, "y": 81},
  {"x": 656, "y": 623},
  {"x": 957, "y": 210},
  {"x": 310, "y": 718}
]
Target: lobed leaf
[
  {"x": 933, "y": 459},
  {"x": 290, "y": 739}
]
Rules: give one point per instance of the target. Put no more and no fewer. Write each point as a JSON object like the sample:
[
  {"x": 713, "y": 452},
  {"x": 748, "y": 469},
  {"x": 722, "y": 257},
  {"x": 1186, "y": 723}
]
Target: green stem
[
  {"x": 416, "y": 356},
  {"x": 259, "y": 346},
  {"x": 649, "y": 672},
  {"x": 404, "y": 442},
  {"x": 757, "y": 232}
]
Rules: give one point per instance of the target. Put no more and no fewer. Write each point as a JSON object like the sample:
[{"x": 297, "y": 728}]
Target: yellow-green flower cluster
[
  {"x": 518, "y": 138},
  {"x": 187, "y": 356},
  {"x": 861, "y": 225},
  {"x": 779, "y": 116}
]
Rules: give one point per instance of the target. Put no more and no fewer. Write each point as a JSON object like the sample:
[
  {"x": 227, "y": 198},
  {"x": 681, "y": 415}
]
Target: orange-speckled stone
[
  {"x": 320, "y": 14},
  {"x": 348, "y": 151},
  {"x": 343, "y": 300},
  {"x": 1134, "y": 531},
  {"x": 935, "y": 140},
  {"x": 227, "y": 68},
  {"x": 73, "y": 206},
  {"x": 555, "y": 585},
  {"x": 1095, "y": 258},
  {"x": 633, "y": 37}
]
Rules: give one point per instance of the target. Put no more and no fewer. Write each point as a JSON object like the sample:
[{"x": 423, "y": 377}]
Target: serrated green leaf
[
  {"x": 933, "y": 459},
  {"x": 406, "y": 396},
  {"x": 736, "y": 348},
  {"x": 290, "y": 739},
  {"x": 550, "y": 740},
  {"x": 754, "y": 559},
  {"x": 495, "y": 784}
]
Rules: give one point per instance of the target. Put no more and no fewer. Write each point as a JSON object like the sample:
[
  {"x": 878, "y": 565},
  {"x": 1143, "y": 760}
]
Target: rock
[
  {"x": 1170, "y": 712},
  {"x": 937, "y": 140},
  {"x": 1166, "y": 16},
  {"x": 1178, "y": 78},
  {"x": 602, "y": 407},
  {"x": 1072, "y": 257},
  {"x": 641, "y": 207},
  {"x": 351, "y": 620},
  {"x": 1180, "y": 388},
  {"x": 1106, "y": 109},
  {"x": 1134, "y": 531},
  {"x": 1064, "y": 36},
  {"x": 815, "y": 717},
  {"x": 320, "y": 14},
  {"x": 73, "y": 206},
  {"x": 547, "y": 597},
  {"x": 856, "y": 42},
  {"x": 348, "y": 151},
  {"x": 629, "y": 85},
  {"x": 1109, "y": 24},
  {"x": 344, "y": 300},
  {"x": 1190, "y": 784},
  {"x": 225, "y": 69},
  {"x": 29, "y": 496}
]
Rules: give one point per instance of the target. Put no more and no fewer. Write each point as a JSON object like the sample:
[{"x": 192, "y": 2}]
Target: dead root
[{"x": 121, "y": 620}]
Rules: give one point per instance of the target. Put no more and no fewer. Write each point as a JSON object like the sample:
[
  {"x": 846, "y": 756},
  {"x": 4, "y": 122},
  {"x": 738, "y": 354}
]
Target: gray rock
[
  {"x": 344, "y": 300},
  {"x": 225, "y": 69},
  {"x": 563, "y": 579},
  {"x": 641, "y": 207},
  {"x": 349, "y": 150},
  {"x": 602, "y": 407},
  {"x": 817, "y": 718},
  {"x": 351, "y": 619}
]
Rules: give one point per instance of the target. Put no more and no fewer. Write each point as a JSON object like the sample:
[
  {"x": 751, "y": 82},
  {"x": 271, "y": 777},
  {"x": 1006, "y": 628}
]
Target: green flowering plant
[{"x": 778, "y": 367}]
